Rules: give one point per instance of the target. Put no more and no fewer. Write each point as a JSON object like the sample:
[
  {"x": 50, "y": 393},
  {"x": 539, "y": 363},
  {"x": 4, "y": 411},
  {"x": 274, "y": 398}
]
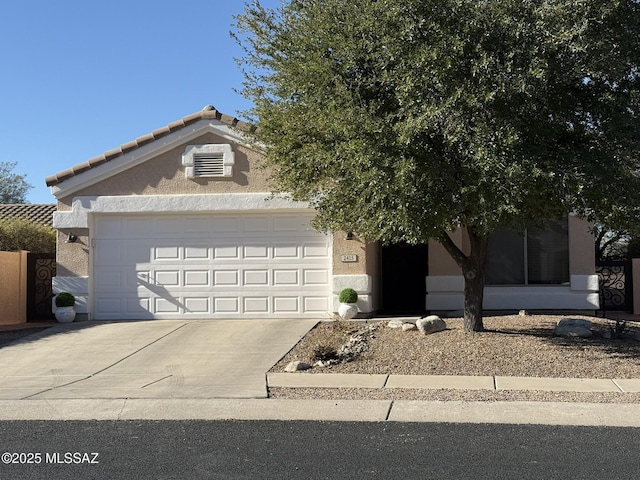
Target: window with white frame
[
  {"x": 539, "y": 257},
  {"x": 210, "y": 160}
]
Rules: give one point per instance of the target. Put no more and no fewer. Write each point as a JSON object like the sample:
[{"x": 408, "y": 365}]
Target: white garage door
[{"x": 209, "y": 266}]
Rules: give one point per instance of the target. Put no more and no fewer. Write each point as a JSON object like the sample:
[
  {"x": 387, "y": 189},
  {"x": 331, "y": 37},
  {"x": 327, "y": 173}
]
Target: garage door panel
[
  {"x": 226, "y": 305},
  {"x": 109, "y": 278},
  {"x": 286, "y": 305},
  {"x": 256, "y": 305},
  {"x": 256, "y": 278},
  {"x": 197, "y": 252},
  {"x": 138, "y": 225},
  {"x": 226, "y": 278},
  {"x": 241, "y": 266},
  {"x": 167, "y": 278},
  {"x": 315, "y": 250},
  {"x": 224, "y": 225},
  {"x": 197, "y": 278},
  {"x": 288, "y": 252},
  {"x": 286, "y": 277},
  {"x": 316, "y": 305},
  {"x": 288, "y": 224},
  {"x": 133, "y": 252},
  {"x": 316, "y": 277},
  {"x": 166, "y": 305},
  {"x": 178, "y": 226},
  {"x": 161, "y": 254},
  {"x": 110, "y": 228},
  {"x": 199, "y": 305},
  {"x": 256, "y": 224},
  {"x": 226, "y": 252},
  {"x": 255, "y": 252}
]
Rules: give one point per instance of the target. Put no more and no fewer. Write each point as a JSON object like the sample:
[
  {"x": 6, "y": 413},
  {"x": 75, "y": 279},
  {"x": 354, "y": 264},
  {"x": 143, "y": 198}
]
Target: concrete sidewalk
[{"x": 532, "y": 413}]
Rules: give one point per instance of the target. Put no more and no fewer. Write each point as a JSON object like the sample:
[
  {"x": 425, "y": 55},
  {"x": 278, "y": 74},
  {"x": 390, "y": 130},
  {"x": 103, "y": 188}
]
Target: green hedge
[{"x": 25, "y": 235}]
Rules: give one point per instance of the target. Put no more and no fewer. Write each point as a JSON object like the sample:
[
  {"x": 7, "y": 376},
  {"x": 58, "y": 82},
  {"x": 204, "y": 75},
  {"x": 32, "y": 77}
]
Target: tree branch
[{"x": 455, "y": 252}]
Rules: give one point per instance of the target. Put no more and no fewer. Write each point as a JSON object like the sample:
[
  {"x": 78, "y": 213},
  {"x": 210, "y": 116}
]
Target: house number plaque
[{"x": 349, "y": 258}]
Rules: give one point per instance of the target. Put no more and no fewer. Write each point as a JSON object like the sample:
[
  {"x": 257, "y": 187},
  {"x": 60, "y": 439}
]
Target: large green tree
[
  {"x": 402, "y": 120},
  {"x": 13, "y": 187}
]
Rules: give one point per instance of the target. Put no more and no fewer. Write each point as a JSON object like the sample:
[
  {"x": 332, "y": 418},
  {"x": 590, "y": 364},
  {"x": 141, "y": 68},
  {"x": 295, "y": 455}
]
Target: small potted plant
[
  {"x": 65, "y": 313},
  {"x": 348, "y": 308}
]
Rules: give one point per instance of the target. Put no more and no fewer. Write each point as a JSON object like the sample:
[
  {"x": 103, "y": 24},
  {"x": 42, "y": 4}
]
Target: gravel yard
[{"x": 513, "y": 345}]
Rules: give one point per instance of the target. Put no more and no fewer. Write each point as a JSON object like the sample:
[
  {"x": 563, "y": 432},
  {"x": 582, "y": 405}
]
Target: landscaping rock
[
  {"x": 407, "y": 327},
  {"x": 574, "y": 327},
  {"x": 431, "y": 324},
  {"x": 297, "y": 366},
  {"x": 395, "y": 323}
]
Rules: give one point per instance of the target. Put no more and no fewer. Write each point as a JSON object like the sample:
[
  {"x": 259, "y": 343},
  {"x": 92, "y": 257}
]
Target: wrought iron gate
[
  {"x": 616, "y": 287},
  {"x": 41, "y": 268}
]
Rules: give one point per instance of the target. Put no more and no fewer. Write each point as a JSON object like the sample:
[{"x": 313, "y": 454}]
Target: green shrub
[
  {"x": 16, "y": 234},
  {"x": 65, "y": 299},
  {"x": 348, "y": 295}
]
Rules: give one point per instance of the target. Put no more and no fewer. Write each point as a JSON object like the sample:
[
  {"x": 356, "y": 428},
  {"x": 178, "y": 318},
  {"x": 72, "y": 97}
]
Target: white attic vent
[
  {"x": 211, "y": 165},
  {"x": 210, "y": 160}
]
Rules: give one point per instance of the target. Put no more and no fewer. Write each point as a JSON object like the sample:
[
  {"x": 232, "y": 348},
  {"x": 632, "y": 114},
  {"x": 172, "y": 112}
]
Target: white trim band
[{"x": 78, "y": 216}]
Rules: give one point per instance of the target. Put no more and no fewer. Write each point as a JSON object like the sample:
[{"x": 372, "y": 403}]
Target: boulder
[
  {"x": 574, "y": 327},
  {"x": 431, "y": 324},
  {"x": 395, "y": 323},
  {"x": 296, "y": 366},
  {"x": 407, "y": 327}
]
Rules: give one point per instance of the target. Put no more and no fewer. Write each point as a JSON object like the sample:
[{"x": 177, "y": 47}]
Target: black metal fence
[
  {"x": 41, "y": 268},
  {"x": 616, "y": 285}
]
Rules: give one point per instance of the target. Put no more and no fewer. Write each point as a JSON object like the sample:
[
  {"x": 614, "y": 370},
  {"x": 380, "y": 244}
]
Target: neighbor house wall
[{"x": 13, "y": 287}]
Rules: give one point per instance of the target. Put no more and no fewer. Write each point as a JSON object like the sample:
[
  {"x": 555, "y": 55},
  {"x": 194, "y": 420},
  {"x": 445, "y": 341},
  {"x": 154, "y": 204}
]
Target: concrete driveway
[{"x": 148, "y": 359}]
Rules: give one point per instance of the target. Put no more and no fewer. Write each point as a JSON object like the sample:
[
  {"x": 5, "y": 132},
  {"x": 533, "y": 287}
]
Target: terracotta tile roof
[
  {"x": 207, "y": 113},
  {"x": 37, "y": 213}
]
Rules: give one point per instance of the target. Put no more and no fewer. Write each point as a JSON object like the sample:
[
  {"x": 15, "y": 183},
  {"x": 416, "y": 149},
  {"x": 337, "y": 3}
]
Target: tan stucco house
[{"x": 181, "y": 222}]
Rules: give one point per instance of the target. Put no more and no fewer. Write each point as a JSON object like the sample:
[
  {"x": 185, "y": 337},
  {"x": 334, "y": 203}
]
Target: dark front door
[{"x": 404, "y": 272}]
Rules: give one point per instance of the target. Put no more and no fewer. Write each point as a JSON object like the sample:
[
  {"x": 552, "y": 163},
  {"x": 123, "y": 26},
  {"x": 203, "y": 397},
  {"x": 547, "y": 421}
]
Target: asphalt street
[{"x": 313, "y": 450}]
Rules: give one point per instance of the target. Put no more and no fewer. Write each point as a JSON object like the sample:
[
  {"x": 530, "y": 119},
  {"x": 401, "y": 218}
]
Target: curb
[
  {"x": 525, "y": 413},
  {"x": 491, "y": 383}
]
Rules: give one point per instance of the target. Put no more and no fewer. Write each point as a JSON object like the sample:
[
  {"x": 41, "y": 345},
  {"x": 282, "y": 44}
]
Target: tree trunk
[
  {"x": 473, "y": 297},
  {"x": 473, "y": 267}
]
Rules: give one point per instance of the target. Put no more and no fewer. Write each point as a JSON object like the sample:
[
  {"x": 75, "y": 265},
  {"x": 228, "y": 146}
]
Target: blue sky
[{"x": 81, "y": 77}]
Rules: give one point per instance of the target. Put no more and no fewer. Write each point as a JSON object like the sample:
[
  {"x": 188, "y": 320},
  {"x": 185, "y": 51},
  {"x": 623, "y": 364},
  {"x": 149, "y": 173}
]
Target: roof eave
[{"x": 118, "y": 160}]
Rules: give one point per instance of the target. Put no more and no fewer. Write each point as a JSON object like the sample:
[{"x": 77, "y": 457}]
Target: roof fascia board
[{"x": 146, "y": 152}]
